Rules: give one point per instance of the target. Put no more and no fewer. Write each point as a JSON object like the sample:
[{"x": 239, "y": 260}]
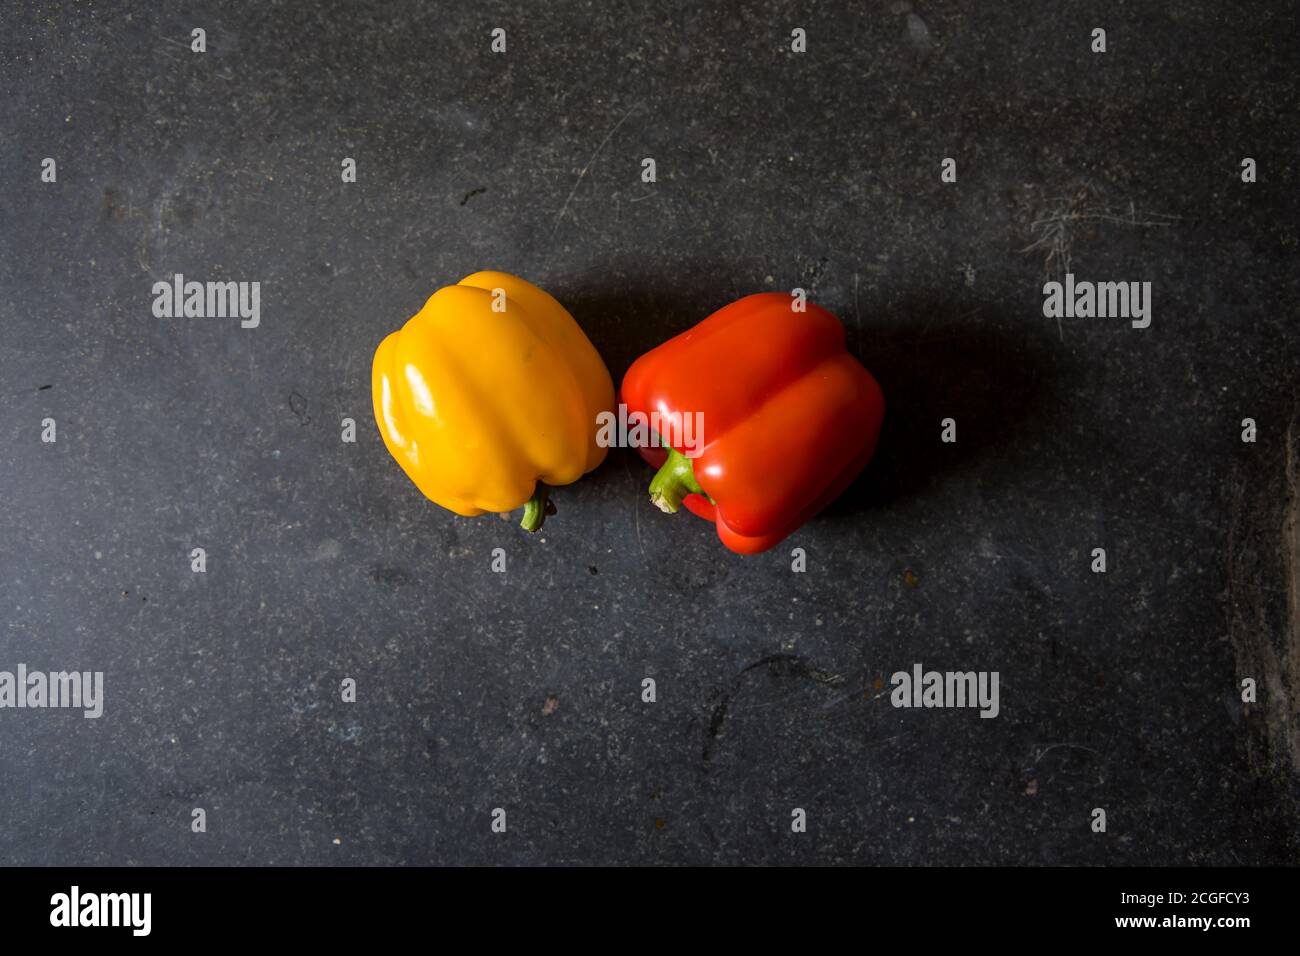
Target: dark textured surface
[{"x": 775, "y": 170}]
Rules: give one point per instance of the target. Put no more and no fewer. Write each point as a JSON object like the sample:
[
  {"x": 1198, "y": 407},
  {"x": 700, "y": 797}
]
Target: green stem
[
  {"x": 537, "y": 508},
  {"x": 674, "y": 481}
]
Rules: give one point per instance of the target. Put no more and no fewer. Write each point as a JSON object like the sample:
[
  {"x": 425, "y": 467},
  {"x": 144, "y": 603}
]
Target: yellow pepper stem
[{"x": 537, "y": 508}]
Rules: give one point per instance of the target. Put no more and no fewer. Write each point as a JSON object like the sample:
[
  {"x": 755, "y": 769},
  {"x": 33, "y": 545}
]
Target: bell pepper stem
[
  {"x": 537, "y": 508},
  {"x": 674, "y": 481}
]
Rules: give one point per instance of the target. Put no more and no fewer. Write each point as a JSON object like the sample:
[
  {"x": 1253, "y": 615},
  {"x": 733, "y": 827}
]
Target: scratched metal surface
[{"x": 775, "y": 170}]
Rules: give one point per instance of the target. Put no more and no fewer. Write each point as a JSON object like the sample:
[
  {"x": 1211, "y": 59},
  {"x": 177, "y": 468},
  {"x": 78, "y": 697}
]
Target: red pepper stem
[
  {"x": 537, "y": 508},
  {"x": 675, "y": 480}
]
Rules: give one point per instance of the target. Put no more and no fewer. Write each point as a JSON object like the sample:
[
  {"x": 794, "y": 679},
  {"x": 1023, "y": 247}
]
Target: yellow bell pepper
[{"x": 489, "y": 395}]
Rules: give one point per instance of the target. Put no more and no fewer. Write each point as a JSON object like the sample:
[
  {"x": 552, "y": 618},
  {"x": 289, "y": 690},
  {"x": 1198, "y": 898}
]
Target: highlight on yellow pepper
[{"x": 488, "y": 397}]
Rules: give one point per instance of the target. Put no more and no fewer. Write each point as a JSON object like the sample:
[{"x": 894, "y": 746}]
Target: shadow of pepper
[
  {"x": 626, "y": 315},
  {"x": 990, "y": 375}
]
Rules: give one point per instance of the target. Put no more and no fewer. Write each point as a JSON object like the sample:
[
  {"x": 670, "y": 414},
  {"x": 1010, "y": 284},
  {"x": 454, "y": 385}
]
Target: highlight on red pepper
[{"x": 790, "y": 417}]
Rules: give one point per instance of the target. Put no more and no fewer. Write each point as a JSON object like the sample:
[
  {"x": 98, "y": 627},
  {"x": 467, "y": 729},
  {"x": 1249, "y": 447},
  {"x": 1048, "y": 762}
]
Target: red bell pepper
[{"x": 789, "y": 417}]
